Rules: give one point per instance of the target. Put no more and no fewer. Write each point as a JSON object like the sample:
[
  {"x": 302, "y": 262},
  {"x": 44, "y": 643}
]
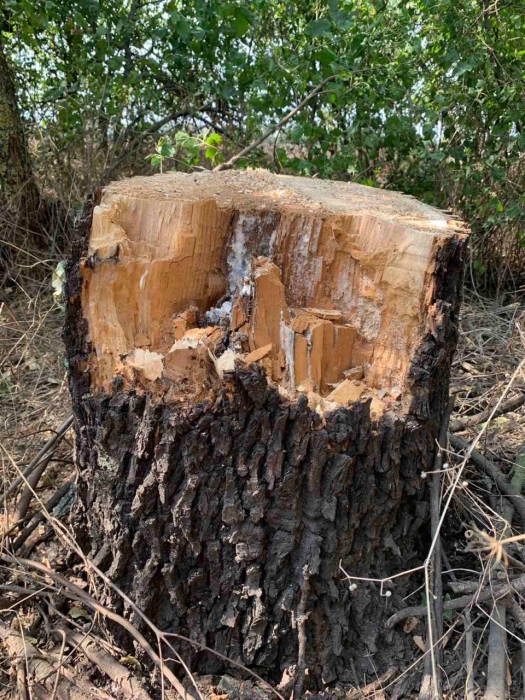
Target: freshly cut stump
[{"x": 259, "y": 365}]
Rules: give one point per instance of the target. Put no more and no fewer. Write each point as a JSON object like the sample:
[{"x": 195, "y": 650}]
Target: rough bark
[{"x": 211, "y": 512}]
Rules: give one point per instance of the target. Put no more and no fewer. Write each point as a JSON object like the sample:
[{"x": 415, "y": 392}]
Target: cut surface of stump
[{"x": 259, "y": 365}]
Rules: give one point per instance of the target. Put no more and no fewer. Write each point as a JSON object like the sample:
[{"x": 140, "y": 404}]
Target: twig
[
  {"x": 37, "y": 517},
  {"x": 497, "y": 659},
  {"x": 119, "y": 674},
  {"x": 518, "y": 614},
  {"x": 50, "y": 445},
  {"x": 469, "y": 638},
  {"x": 230, "y": 163},
  {"x": 465, "y": 587},
  {"x": 41, "y": 669},
  {"x": 496, "y": 666},
  {"x": 469, "y": 656},
  {"x": 21, "y": 678},
  {"x": 84, "y": 597},
  {"x": 489, "y": 468},
  {"x": 59, "y": 665},
  {"x": 32, "y": 482},
  {"x": 373, "y": 687},
  {"x": 463, "y": 423},
  {"x": 498, "y": 591}
]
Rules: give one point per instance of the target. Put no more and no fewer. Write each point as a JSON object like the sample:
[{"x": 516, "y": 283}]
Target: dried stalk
[
  {"x": 84, "y": 597},
  {"x": 130, "y": 686},
  {"x": 497, "y": 591},
  {"x": 39, "y": 516},
  {"x": 50, "y": 446},
  {"x": 463, "y": 423},
  {"x": 489, "y": 468},
  {"x": 41, "y": 670},
  {"x": 497, "y": 661},
  {"x": 373, "y": 687}
]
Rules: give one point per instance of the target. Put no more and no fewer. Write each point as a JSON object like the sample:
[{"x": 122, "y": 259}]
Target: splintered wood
[{"x": 324, "y": 284}]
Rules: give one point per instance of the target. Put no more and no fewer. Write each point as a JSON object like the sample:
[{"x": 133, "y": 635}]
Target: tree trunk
[
  {"x": 19, "y": 196},
  {"x": 259, "y": 365}
]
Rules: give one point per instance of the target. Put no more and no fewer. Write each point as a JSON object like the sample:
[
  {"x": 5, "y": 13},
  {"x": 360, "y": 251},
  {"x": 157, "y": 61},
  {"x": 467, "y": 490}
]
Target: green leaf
[
  {"x": 462, "y": 68},
  {"x": 164, "y": 148},
  {"x": 342, "y": 20},
  {"x": 183, "y": 28},
  {"x": 318, "y": 28},
  {"x": 76, "y": 612},
  {"x": 213, "y": 139},
  {"x": 131, "y": 662},
  {"x": 241, "y": 21},
  {"x": 325, "y": 56}
]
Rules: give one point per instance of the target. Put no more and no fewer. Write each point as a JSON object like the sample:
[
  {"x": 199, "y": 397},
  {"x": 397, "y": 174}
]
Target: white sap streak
[
  {"x": 213, "y": 316},
  {"x": 238, "y": 258},
  {"x": 308, "y": 336},
  {"x": 286, "y": 336},
  {"x": 271, "y": 242},
  {"x": 143, "y": 280}
]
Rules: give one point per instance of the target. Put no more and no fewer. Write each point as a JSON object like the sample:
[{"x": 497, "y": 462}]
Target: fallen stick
[
  {"x": 458, "y": 424},
  {"x": 50, "y": 445},
  {"x": 489, "y": 468},
  {"x": 496, "y": 665},
  {"x": 497, "y": 655},
  {"x": 372, "y": 687},
  {"x": 78, "y": 594},
  {"x": 32, "y": 482},
  {"x": 464, "y": 587},
  {"x": 21, "y": 680},
  {"x": 469, "y": 656},
  {"x": 39, "y": 516},
  {"x": 130, "y": 686},
  {"x": 41, "y": 671},
  {"x": 499, "y": 591}
]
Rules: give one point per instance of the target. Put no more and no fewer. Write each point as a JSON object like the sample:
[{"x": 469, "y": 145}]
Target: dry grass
[
  {"x": 33, "y": 389},
  {"x": 491, "y": 346}
]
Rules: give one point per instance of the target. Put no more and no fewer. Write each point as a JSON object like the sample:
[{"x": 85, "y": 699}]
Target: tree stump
[{"x": 259, "y": 366}]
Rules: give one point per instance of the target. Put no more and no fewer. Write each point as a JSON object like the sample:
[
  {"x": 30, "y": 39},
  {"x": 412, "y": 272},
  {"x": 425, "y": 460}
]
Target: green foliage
[
  {"x": 424, "y": 97},
  {"x": 189, "y": 149}
]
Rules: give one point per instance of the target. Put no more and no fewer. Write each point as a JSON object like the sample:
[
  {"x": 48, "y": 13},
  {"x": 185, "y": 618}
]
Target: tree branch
[{"x": 230, "y": 163}]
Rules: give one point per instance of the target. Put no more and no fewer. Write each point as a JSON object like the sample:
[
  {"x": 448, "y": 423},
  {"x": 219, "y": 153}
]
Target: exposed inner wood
[{"x": 321, "y": 283}]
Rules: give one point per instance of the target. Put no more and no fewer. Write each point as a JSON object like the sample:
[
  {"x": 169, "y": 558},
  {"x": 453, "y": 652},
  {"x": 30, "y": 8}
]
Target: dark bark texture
[
  {"x": 212, "y": 517},
  {"x": 19, "y": 195}
]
